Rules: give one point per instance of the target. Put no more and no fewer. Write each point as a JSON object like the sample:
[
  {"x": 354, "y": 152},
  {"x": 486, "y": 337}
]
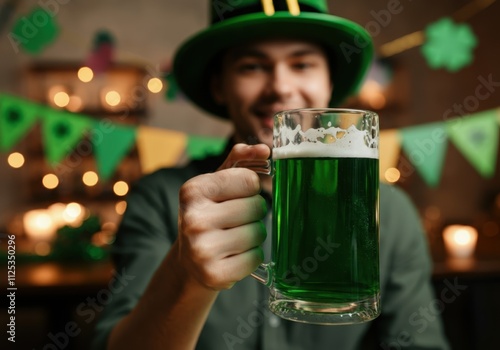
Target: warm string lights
[
  {"x": 85, "y": 74},
  {"x": 15, "y": 160},
  {"x": 89, "y": 178},
  {"x": 50, "y": 181},
  {"x": 155, "y": 85},
  {"x": 120, "y": 188},
  {"x": 60, "y": 97}
]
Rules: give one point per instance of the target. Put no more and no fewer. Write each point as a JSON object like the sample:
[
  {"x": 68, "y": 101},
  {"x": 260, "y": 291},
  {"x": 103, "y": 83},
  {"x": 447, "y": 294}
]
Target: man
[{"x": 190, "y": 236}]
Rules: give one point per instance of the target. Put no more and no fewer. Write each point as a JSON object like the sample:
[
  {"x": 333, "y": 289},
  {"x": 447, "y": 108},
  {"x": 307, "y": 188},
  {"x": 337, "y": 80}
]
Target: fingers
[
  {"x": 224, "y": 215},
  {"x": 221, "y": 186},
  {"x": 226, "y": 243},
  {"x": 217, "y": 259},
  {"x": 241, "y": 265},
  {"x": 245, "y": 152},
  {"x": 233, "y": 212},
  {"x": 226, "y": 272}
]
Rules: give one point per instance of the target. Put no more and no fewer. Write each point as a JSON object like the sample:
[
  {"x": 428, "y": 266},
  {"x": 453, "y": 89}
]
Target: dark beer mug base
[{"x": 338, "y": 313}]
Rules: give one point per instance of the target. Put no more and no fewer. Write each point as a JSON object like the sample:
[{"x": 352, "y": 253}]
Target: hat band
[{"x": 279, "y": 5}]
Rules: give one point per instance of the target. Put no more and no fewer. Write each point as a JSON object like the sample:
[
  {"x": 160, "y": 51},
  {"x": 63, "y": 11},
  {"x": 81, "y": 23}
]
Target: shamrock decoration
[
  {"x": 34, "y": 31},
  {"x": 478, "y": 136},
  {"x": 449, "y": 45},
  {"x": 14, "y": 116},
  {"x": 61, "y": 130}
]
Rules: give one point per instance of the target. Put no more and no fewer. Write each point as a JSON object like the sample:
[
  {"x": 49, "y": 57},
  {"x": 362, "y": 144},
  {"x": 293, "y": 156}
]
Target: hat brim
[{"x": 346, "y": 42}]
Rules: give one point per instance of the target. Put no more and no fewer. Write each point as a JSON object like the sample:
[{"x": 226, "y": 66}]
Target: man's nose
[{"x": 281, "y": 81}]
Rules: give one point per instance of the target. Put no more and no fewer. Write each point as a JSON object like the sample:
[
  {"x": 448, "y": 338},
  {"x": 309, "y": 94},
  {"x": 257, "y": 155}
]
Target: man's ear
[{"x": 216, "y": 89}]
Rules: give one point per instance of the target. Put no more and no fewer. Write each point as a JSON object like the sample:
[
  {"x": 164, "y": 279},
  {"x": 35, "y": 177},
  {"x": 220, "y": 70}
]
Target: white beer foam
[{"x": 343, "y": 143}]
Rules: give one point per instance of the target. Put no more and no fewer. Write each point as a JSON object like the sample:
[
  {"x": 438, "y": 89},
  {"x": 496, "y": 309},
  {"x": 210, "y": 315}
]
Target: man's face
[{"x": 262, "y": 78}]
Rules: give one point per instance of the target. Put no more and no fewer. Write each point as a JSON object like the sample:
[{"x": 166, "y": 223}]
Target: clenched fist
[{"x": 220, "y": 227}]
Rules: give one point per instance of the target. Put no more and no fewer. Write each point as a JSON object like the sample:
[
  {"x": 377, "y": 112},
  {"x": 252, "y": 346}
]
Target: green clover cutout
[
  {"x": 14, "y": 116},
  {"x": 61, "y": 130},
  {"x": 34, "y": 31},
  {"x": 449, "y": 45},
  {"x": 478, "y": 136}
]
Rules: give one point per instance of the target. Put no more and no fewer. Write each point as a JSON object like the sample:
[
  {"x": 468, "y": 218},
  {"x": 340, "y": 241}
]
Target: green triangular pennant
[
  {"x": 476, "y": 136},
  {"x": 113, "y": 147},
  {"x": 426, "y": 146},
  {"x": 61, "y": 131},
  {"x": 17, "y": 116},
  {"x": 201, "y": 146}
]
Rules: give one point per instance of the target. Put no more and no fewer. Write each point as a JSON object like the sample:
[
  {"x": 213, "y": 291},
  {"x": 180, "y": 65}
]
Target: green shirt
[{"x": 239, "y": 318}]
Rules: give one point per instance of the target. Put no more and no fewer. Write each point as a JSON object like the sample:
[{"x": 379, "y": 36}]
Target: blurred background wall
[{"x": 146, "y": 34}]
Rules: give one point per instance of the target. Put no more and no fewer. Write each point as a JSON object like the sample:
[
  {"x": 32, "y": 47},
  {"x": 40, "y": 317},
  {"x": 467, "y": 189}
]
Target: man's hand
[{"x": 220, "y": 227}]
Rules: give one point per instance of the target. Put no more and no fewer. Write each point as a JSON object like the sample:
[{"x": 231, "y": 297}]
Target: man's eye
[
  {"x": 250, "y": 67},
  {"x": 302, "y": 65}
]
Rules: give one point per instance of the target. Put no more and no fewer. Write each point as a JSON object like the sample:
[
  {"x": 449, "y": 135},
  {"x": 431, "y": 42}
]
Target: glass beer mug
[{"x": 324, "y": 266}]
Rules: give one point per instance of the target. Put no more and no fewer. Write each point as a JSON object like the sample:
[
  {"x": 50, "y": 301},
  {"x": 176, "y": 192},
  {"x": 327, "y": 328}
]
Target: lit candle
[
  {"x": 460, "y": 241},
  {"x": 39, "y": 225}
]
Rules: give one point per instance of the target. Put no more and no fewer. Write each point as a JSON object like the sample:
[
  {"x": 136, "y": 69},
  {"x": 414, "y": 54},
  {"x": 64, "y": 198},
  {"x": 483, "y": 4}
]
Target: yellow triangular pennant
[{"x": 159, "y": 148}]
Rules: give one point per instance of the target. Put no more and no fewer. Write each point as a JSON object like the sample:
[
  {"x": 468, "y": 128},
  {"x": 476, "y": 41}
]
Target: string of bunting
[
  {"x": 62, "y": 131},
  {"x": 475, "y": 136},
  {"x": 425, "y": 145}
]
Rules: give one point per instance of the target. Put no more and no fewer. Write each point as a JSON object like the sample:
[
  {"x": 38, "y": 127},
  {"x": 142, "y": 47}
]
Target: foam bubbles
[{"x": 332, "y": 142}]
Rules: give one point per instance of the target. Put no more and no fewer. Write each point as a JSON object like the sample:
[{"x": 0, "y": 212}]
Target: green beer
[
  {"x": 325, "y": 229},
  {"x": 324, "y": 266}
]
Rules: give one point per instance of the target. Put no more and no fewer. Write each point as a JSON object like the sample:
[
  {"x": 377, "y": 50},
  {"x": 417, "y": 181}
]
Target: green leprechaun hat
[{"x": 233, "y": 22}]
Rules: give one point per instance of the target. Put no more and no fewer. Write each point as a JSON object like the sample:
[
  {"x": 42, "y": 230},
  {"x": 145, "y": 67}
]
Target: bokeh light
[
  {"x": 392, "y": 175},
  {"x": 155, "y": 85},
  {"x": 61, "y": 99},
  {"x": 50, "y": 181},
  {"x": 75, "y": 104},
  {"x": 112, "y": 98},
  {"x": 72, "y": 212},
  {"x": 15, "y": 160},
  {"x": 85, "y": 74},
  {"x": 90, "y": 178},
  {"x": 120, "y": 188},
  {"x": 38, "y": 225},
  {"x": 120, "y": 207}
]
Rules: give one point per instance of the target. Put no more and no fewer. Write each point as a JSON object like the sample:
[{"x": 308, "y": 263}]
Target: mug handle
[
  {"x": 260, "y": 166},
  {"x": 264, "y": 271}
]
